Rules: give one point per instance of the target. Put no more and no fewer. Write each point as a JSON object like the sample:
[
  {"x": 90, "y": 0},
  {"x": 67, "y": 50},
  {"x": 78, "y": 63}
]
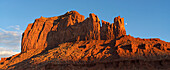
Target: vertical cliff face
[
  {"x": 107, "y": 30},
  {"x": 63, "y": 28},
  {"x": 47, "y": 33},
  {"x": 114, "y": 30},
  {"x": 119, "y": 27},
  {"x": 35, "y": 35}
]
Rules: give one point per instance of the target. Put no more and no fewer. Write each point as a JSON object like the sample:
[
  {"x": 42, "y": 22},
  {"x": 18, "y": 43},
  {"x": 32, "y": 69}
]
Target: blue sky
[{"x": 144, "y": 18}]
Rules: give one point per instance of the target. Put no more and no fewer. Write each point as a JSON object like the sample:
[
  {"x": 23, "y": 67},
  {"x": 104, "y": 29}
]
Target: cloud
[
  {"x": 10, "y": 40},
  {"x": 14, "y": 33},
  {"x": 7, "y": 53},
  {"x": 16, "y": 27}
]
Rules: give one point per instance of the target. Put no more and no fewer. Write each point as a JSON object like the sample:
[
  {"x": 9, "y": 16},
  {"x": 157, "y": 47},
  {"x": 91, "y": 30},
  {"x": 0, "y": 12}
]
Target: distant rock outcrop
[{"x": 47, "y": 33}]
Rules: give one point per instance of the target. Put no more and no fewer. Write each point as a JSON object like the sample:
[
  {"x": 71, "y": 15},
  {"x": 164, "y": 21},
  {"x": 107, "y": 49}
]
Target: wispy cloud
[
  {"x": 7, "y": 53},
  {"x": 10, "y": 39},
  {"x": 4, "y": 52},
  {"x": 16, "y": 27}
]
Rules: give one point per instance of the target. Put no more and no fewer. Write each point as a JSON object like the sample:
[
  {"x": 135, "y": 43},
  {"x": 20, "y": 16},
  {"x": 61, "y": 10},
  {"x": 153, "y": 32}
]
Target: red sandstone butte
[
  {"x": 49, "y": 32},
  {"x": 71, "y": 42}
]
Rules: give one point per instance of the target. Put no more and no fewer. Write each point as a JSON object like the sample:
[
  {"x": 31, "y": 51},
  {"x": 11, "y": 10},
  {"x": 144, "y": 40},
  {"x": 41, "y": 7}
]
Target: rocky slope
[{"x": 70, "y": 41}]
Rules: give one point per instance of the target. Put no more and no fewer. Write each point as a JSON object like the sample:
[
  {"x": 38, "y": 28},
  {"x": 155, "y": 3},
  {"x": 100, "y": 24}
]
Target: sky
[{"x": 143, "y": 18}]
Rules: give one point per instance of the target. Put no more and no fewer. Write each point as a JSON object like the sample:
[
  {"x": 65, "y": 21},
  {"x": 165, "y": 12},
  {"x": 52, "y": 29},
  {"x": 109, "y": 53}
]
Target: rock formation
[
  {"x": 70, "y": 41},
  {"x": 47, "y": 33}
]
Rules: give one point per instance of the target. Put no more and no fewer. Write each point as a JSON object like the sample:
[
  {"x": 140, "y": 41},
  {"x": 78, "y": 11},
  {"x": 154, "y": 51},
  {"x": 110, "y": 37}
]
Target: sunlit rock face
[
  {"x": 72, "y": 42},
  {"x": 47, "y": 33}
]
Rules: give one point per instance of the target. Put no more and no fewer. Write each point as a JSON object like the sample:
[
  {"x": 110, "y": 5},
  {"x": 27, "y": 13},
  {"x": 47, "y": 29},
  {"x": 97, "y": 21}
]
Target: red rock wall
[{"x": 47, "y": 33}]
